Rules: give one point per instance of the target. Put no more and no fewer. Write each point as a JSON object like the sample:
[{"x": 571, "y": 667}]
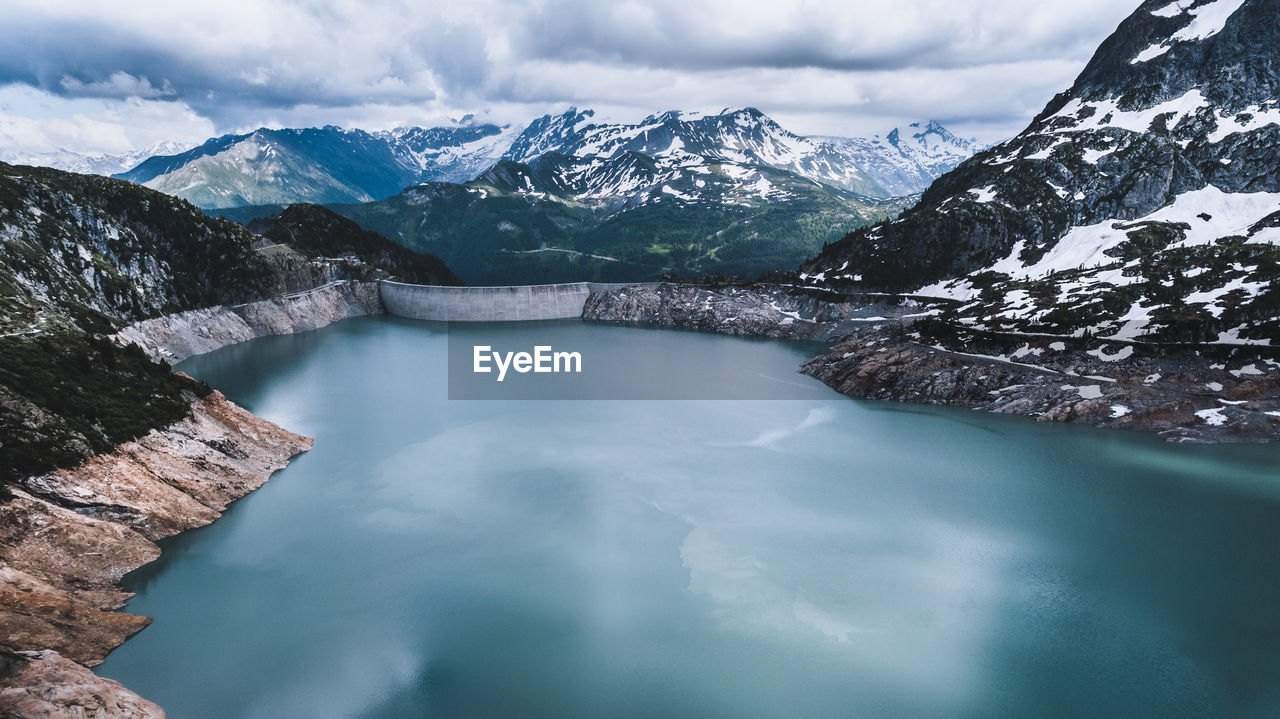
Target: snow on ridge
[
  {"x": 1209, "y": 20},
  {"x": 1206, "y": 21},
  {"x": 1132, "y": 120},
  {"x": 1085, "y": 245},
  {"x": 1150, "y": 53},
  {"x": 1259, "y": 117},
  {"x": 983, "y": 194}
]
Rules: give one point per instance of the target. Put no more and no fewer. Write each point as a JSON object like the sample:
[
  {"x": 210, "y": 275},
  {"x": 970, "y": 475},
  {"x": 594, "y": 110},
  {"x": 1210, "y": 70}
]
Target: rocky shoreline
[
  {"x": 175, "y": 337},
  {"x": 885, "y": 348},
  {"x": 68, "y": 537}
]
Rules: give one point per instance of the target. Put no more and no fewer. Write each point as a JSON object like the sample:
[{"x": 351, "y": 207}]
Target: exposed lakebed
[{"x": 815, "y": 556}]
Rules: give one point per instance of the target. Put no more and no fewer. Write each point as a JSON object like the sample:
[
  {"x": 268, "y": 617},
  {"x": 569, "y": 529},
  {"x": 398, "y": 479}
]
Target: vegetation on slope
[
  {"x": 319, "y": 232},
  {"x": 81, "y": 256}
]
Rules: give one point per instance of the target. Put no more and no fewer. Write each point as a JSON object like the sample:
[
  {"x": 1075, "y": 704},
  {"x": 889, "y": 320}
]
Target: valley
[{"x": 904, "y": 424}]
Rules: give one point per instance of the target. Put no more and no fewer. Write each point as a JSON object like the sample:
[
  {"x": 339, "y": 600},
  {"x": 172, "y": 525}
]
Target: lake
[{"x": 793, "y": 554}]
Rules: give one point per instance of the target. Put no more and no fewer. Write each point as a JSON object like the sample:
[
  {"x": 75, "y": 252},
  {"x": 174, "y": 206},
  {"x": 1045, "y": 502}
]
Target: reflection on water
[{"x": 815, "y": 557}]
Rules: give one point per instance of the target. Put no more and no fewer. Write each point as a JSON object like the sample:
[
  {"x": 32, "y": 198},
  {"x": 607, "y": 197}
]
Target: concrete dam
[{"x": 518, "y": 303}]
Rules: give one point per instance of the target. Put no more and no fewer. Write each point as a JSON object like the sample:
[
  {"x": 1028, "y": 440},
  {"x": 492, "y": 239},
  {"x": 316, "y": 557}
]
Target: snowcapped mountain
[
  {"x": 676, "y": 193},
  {"x": 906, "y": 160},
  {"x": 96, "y": 163},
  {"x": 451, "y": 154},
  {"x": 320, "y": 165},
  {"x": 592, "y": 160},
  {"x": 679, "y": 144},
  {"x": 1142, "y": 203}
]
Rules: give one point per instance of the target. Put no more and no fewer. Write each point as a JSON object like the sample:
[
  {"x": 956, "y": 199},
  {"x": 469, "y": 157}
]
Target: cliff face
[
  {"x": 67, "y": 538},
  {"x": 174, "y": 338},
  {"x": 761, "y": 311},
  {"x": 1182, "y": 396}
]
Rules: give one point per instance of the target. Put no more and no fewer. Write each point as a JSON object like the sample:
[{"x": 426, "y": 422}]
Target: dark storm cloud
[
  {"x": 687, "y": 36},
  {"x": 988, "y": 62}
]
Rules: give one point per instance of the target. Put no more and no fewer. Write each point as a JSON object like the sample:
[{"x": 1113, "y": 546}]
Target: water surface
[{"x": 815, "y": 557}]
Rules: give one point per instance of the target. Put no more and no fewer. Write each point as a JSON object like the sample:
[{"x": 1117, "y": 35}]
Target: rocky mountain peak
[{"x": 1225, "y": 49}]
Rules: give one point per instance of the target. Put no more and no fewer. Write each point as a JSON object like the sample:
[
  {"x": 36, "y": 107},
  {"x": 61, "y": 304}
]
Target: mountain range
[
  {"x": 684, "y": 195},
  {"x": 568, "y": 198},
  {"x": 321, "y": 165},
  {"x": 1143, "y": 203},
  {"x": 335, "y": 165}
]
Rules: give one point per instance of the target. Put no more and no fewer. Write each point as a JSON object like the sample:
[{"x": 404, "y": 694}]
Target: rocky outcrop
[
  {"x": 1180, "y": 395},
  {"x": 176, "y": 337},
  {"x": 761, "y": 311},
  {"x": 46, "y": 685},
  {"x": 68, "y": 537}
]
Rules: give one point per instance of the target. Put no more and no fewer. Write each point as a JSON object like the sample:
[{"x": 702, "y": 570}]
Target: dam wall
[{"x": 517, "y": 303}]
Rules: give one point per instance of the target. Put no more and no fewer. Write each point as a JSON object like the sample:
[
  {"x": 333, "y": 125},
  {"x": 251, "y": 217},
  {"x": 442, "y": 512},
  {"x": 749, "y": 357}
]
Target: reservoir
[{"x": 792, "y": 554}]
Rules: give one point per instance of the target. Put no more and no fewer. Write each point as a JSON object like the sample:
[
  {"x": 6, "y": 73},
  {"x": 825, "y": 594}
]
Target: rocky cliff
[
  {"x": 1225, "y": 396},
  {"x": 173, "y": 338},
  {"x": 760, "y": 311}
]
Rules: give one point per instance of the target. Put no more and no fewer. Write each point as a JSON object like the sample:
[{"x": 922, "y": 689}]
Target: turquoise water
[{"x": 816, "y": 557}]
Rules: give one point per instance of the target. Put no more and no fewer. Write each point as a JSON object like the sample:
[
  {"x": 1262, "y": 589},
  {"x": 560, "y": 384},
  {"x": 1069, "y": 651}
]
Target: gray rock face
[
  {"x": 173, "y": 338},
  {"x": 1182, "y": 397},
  {"x": 762, "y": 311}
]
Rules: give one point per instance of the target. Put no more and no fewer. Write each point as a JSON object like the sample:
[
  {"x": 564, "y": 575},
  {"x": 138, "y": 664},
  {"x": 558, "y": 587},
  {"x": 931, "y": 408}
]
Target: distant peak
[{"x": 662, "y": 117}]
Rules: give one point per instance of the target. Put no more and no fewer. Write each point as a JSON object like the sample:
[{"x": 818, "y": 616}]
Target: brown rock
[{"x": 45, "y": 685}]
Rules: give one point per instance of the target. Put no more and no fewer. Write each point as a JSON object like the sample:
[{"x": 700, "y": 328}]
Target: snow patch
[
  {"x": 1249, "y": 369},
  {"x": 1212, "y": 417},
  {"x": 1209, "y": 20},
  {"x": 1101, "y": 353},
  {"x": 1092, "y": 391}
]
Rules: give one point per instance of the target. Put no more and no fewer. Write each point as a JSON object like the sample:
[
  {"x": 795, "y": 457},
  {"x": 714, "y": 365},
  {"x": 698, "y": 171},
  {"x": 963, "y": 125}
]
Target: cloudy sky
[{"x": 111, "y": 77}]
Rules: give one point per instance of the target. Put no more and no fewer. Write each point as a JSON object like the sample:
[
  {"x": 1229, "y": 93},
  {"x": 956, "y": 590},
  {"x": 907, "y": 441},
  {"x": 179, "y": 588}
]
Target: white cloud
[
  {"x": 34, "y": 123},
  {"x": 117, "y": 85}
]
